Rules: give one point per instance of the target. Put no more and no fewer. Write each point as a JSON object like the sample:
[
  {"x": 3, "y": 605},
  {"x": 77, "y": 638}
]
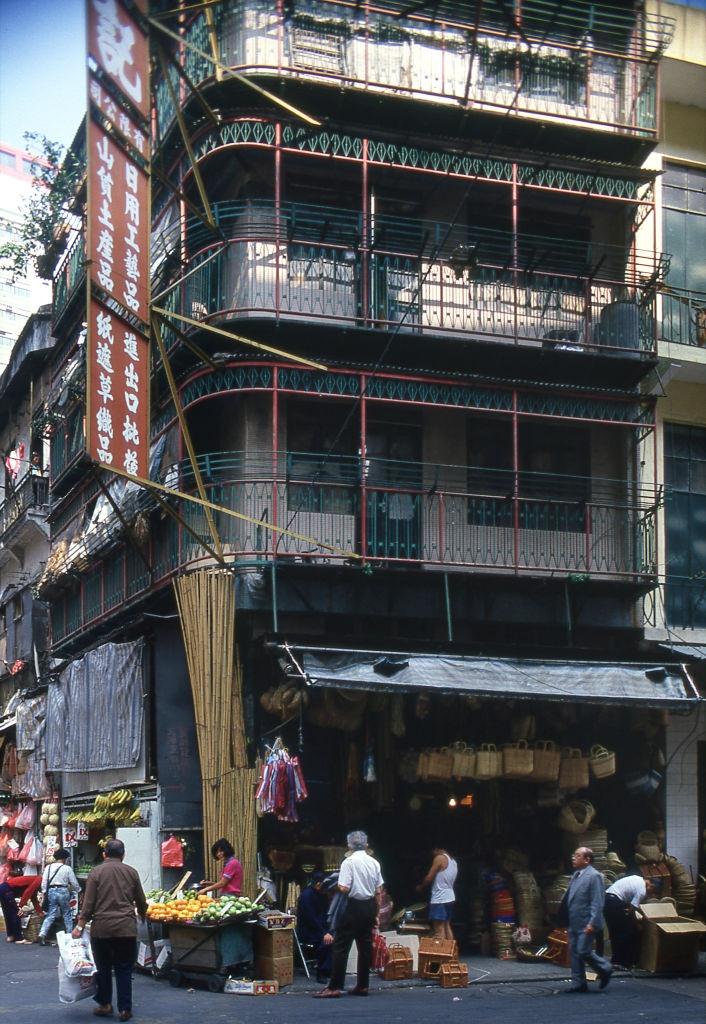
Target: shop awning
[
  {"x": 687, "y": 652},
  {"x": 629, "y": 684}
]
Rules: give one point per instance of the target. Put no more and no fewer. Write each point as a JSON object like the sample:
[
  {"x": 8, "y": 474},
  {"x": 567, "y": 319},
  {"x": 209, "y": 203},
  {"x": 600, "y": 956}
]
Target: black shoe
[
  {"x": 574, "y": 990},
  {"x": 605, "y": 979}
]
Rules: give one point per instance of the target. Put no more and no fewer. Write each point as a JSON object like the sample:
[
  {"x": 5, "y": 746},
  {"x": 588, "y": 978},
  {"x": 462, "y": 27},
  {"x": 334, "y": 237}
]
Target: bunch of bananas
[
  {"x": 118, "y": 798},
  {"x": 125, "y": 815}
]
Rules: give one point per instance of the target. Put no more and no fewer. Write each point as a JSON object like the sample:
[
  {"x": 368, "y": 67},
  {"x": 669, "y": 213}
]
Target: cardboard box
[
  {"x": 669, "y": 942},
  {"x": 275, "y": 919},
  {"x": 273, "y": 942},
  {"x": 163, "y": 955},
  {"x": 278, "y": 968},
  {"x": 144, "y": 952},
  {"x": 245, "y": 987}
]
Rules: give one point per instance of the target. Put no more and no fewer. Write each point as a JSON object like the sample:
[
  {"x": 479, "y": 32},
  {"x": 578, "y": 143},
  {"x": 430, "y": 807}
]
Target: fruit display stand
[{"x": 209, "y": 952}]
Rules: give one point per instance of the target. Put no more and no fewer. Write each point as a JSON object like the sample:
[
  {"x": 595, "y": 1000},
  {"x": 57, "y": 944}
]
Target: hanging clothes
[{"x": 282, "y": 785}]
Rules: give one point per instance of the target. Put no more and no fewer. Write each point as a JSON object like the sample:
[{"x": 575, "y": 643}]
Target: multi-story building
[
  {"x": 22, "y": 295},
  {"x": 408, "y": 265}
]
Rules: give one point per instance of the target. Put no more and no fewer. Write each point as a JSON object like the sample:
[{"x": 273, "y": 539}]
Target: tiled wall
[{"x": 683, "y": 735}]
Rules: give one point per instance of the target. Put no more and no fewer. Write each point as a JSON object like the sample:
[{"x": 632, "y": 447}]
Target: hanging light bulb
[{"x": 452, "y": 801}]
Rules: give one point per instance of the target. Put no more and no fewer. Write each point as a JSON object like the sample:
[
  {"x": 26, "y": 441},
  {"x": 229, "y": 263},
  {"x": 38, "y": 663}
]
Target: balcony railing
[
  {"x": 684, "y": 317},
  {"x": 598, "y": 72},
  {"x": 32, "y": 492},
  {"x": 67, "y": 442},
  {"x": 70, "y": 274},
  {"x": 389, "y": 513},
  {"x": 421, "y": 276}
]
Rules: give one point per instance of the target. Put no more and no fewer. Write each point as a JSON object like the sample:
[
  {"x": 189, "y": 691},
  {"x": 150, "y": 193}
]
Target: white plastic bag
[
  {"x": 75, "y": 955},
  {"x": 73, "y": 989}
]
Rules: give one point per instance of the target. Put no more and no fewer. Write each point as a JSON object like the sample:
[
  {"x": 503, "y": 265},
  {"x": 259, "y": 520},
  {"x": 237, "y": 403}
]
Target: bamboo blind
[{"x": 206, "y": 604}]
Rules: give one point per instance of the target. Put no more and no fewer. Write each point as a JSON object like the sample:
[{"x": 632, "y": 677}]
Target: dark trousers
[
  {"x": 356, "y": 926},
  {"x": 114, "y": 956},
  {"x": 622, "y": 928},
  {"x": 13, "y": 926}
]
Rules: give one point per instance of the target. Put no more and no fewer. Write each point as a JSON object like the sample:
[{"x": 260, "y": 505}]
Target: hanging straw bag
[
  {"x": 423, "y": 766},
  {"x": 464, "y": 760},
  {"x": 601, "y": 762},
  {"x": 573, "y": 769},
  {"x": 441, "y": 765},
  {"x": 489, "y": 761},
  {"x": 546, "y": 762},
  {"x": 518, "y": 760}
]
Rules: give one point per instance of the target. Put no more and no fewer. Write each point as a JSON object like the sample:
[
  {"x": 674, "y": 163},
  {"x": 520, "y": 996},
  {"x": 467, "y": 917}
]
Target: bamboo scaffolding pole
[{"x": 206, "y": 606}]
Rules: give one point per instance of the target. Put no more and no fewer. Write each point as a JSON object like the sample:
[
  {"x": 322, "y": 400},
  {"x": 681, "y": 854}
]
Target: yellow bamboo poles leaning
[{"x": 206, "y": 604}]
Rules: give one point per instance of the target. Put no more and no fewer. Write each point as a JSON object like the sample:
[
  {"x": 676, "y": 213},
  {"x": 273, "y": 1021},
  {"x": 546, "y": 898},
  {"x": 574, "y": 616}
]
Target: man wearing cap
[
  {"x": 622, "y": 899},
  {"x": 361, "y": 881},
  {"x": 312, "y": 927}
]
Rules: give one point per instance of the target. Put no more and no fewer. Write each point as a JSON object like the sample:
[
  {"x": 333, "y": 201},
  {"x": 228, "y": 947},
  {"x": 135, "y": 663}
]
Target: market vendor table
[{"x": 208, "y": 953}]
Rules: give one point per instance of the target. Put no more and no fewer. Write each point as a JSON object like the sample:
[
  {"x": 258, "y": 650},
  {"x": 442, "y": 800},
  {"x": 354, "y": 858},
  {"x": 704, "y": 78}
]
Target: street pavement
[{"x": 28, "y": 991}]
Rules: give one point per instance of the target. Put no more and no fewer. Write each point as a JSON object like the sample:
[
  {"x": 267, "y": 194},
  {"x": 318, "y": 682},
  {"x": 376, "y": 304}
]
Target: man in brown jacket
[{"x": 113, "y": 893}]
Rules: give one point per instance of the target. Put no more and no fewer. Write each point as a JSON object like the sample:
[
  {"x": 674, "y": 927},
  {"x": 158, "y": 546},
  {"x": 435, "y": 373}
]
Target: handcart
[{"x": 208, "y": 953}]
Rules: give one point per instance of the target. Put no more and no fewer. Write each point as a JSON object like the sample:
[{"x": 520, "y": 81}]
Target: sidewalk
[{"x": 488, "y": 971}]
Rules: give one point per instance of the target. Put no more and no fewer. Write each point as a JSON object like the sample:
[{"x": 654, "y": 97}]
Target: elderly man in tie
[{"x": 584, "y": 906}]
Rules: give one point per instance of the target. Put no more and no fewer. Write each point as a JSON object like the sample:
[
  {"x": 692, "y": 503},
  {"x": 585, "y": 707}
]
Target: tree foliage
[{"x": 56, "y": 173}]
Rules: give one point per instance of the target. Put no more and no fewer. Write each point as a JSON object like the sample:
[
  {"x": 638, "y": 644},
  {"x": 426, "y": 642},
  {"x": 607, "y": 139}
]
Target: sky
[{"x": 42, "y": 69}]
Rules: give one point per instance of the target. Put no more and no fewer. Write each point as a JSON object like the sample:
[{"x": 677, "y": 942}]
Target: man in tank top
[{"x": 441, "y": 876}]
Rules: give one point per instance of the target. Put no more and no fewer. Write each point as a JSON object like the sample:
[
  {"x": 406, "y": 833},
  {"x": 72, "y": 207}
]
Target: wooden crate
[
  {"x": 453, "y": 975},
  {"x": 435, "y": 952},
  {"x": 274, "y": 942},
  {"x": 399, "y": 963},
  {"x": 278, "y": 968}
]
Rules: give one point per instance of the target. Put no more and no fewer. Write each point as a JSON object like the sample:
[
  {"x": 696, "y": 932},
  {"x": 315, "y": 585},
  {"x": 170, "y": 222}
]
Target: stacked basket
[{"x": 529, "y": 900}]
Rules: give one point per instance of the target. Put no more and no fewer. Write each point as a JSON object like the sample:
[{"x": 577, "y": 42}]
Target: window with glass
[
  {"x": 684, "y": 223},
  {"x": 323, "y": 467},
  {"x": 685, "y": 522}
]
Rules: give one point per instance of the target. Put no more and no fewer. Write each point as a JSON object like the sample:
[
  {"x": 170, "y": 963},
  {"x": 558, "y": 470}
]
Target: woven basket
[
  {"x": 489, "y": 761},
  {"x": 440, "y": 765},
  {"x": 423, "y": 765},
  {"x": 464, "y": 761},
  {"x": 518, "y": 760},
  {"x": 601, "y": 762},
  {"x": 573, "y": 769},
  {"x": 546, "y": 762},
  {"x": 576, "y": 816}
]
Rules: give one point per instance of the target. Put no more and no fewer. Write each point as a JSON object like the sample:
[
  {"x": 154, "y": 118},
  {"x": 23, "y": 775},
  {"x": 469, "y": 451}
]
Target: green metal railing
[
  {"x": 683, "y": 317},
  {"x": 333, "y": 508},
  {"x": 578, "y": 64},
  {"x": 71, "y": 273}
]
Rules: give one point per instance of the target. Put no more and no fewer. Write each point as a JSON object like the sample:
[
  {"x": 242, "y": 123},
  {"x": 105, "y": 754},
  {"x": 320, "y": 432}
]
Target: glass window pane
[
  {"x": 674, "y": 197},
  {"x": 675, "y": 175}
]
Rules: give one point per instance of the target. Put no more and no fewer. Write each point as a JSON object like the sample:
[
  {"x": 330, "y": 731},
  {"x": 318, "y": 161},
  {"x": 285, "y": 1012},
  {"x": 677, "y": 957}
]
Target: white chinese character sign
[
  {"x": 117, "y": 403},
  {"x": 117, "y": 407}
]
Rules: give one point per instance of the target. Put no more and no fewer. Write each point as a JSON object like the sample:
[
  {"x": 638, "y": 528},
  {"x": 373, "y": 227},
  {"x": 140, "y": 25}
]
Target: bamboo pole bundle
[{"x": 206, "y": 604}]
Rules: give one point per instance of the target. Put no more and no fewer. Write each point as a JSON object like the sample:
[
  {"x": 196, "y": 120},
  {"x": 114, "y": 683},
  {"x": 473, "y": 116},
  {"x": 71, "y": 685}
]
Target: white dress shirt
[{"x": 360, "y": 873}]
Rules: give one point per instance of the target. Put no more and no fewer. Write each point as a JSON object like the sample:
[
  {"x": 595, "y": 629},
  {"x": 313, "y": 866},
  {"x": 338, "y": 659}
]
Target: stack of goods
[
  {"x": 434, "y": 953},
  {"x": 553, "y": 894},
  {"x": 529, "y": 901},
  {"x": 476, "y": 922},
  {"x": 502, "y": 915},
  {"x": 292, "y": 897},
  {"x": 274, "y": 953},
  {"x": 501, "y": 941},
  {"x": 683, "y": 888},
  {"x": 595, "y": 839},
  {"x": 650, "y": 860}
]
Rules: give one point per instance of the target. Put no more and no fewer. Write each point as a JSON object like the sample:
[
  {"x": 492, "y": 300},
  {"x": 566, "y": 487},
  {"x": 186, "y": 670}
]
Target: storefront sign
[
  {"x": 81, "y": 831},
  {"x": 117, "y": 237},
  {"x": 69, "y": 838}
]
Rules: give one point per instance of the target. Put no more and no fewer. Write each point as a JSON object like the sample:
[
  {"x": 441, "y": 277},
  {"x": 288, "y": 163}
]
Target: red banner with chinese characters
[
  {"x": 118, "y": 212},
  {"x": 117, "y": 426},
  {"x": 120, "y": 48},
  {"x": 117, "y": 237}
]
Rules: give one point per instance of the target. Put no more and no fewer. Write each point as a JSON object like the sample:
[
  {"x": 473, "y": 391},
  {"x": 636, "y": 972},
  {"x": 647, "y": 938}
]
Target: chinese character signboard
[
  {"x": 118, "y": 379},
  {"x": 117, "y": 397}
]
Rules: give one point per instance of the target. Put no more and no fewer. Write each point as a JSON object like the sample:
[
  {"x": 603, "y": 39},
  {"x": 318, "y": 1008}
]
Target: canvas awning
[{"x": 628, "y": 684}]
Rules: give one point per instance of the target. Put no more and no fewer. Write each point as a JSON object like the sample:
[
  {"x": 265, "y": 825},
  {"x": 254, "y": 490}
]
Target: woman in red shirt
[{"x": 231, "y": 880}]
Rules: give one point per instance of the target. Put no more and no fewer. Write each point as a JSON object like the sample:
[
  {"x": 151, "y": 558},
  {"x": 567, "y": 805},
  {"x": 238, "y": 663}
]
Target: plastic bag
[
  {"x": 380, "y": 954},
  {"x": 13, "y": 850},
  {"x": 76, "y": 956},
  {"x": 73, "y": 989},
  {"x": 172, "y": 853},
  {"x": 32, "y": 851},
  {"x": 25, "y": 819}
]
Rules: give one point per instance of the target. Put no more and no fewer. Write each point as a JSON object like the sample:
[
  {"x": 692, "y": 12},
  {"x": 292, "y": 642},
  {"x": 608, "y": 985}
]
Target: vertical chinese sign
[{"x": 118, "y": 233}]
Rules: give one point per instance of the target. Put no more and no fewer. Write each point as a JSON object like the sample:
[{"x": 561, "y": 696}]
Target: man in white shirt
[
  {"x": 622, "y": 898},
  {"x": 361, "y": 881}
]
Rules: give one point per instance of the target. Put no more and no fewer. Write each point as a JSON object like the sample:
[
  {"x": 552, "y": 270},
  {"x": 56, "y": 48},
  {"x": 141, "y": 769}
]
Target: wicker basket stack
[
  {"x": 529, "y": 900},
  {"x": 501, "y": 940}
]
